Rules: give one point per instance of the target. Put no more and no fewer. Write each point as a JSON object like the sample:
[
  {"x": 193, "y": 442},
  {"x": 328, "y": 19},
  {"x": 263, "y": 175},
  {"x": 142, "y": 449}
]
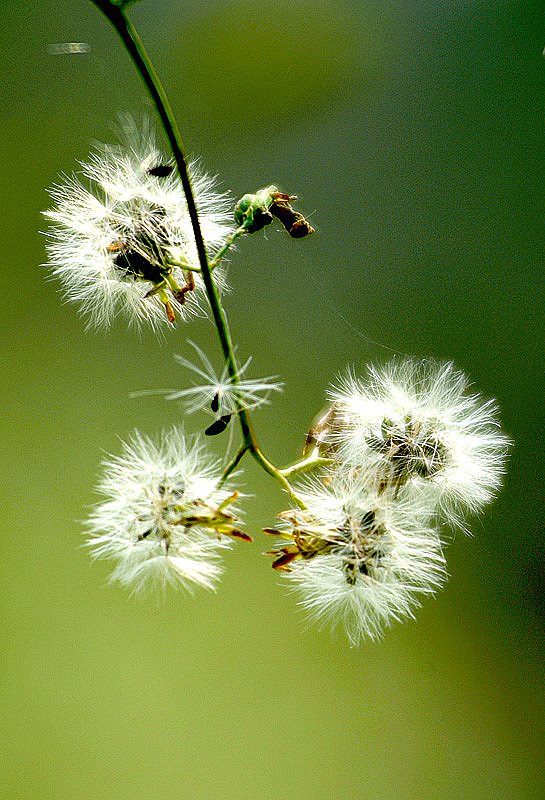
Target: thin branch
[{"x": 115, "y": 13}]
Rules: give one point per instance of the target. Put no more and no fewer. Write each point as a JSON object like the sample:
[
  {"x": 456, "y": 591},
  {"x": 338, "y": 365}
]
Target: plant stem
[
  {"x": 131, "y": 40},
  {"x": 233, "y": 464},
  {"x": 312, "y": 462},
  {"x": 229, "y": 243},
  {"x": 277, "y": 474}
]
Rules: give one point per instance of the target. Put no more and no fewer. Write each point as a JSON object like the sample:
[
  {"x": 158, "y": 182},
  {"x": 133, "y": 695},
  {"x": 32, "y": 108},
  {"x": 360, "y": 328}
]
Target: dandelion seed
[
  {"x": 413, "y": 424},
  {"x": 163, "y": 519},
  {"x": 219, "y": 393},
  {"x": 122, "y": 240}
]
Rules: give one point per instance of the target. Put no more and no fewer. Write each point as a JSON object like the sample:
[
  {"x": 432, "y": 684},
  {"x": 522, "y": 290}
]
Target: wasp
[{"x": 144, "y": 259}]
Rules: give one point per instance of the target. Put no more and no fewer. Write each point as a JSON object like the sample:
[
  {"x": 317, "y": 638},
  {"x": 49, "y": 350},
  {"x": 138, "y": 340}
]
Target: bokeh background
[{"x": 413, "y": 133}]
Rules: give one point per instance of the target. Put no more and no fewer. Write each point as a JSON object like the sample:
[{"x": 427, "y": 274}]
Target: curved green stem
[
  {"x": 228, "y": 244},
  {"x": 115, "y": 13},
  {"x": 137, "y": 52},
  {"x": 233, "y": 464},
  {"x": 312, "y": 462},
  {"x": 277, "y": 474}
]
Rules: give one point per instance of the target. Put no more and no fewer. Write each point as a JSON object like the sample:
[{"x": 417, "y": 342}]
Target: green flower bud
[{"x": 252, "y": 210}]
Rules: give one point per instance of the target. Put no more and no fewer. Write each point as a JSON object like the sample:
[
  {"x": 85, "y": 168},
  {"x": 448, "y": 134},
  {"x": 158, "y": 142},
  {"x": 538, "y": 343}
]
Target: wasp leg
[
  {"x": 163, "y": 297},
  {"x": 159, "y": 290},
  {"x": 171, "y": 316},
  {"x": 180, "y": 293}
]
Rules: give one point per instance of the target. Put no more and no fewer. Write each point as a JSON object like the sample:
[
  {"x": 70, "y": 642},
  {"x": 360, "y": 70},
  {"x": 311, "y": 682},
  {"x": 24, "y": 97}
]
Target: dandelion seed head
[
  {"x": 121, "y": 235},
  {"x": 162, "y": 519},
  {"x": 414, "y": 425},
  {"x": 360, "y": 560}
]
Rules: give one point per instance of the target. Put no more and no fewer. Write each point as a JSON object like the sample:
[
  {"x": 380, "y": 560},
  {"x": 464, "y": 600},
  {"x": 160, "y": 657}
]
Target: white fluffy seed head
[
  {"x": 115, "y": 210},
  {"x": 162, "y": 516},
  {"x": 415, "y": 426},
  {"x": 367, "y": 560}
]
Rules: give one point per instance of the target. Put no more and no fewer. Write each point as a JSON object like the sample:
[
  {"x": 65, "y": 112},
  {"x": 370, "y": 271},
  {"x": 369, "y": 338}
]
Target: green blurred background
[{"x": 413, "y": 133}]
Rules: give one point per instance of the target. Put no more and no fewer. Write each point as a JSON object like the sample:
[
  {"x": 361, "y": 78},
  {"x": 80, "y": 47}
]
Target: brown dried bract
[{"x": 306, "y": 537}]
